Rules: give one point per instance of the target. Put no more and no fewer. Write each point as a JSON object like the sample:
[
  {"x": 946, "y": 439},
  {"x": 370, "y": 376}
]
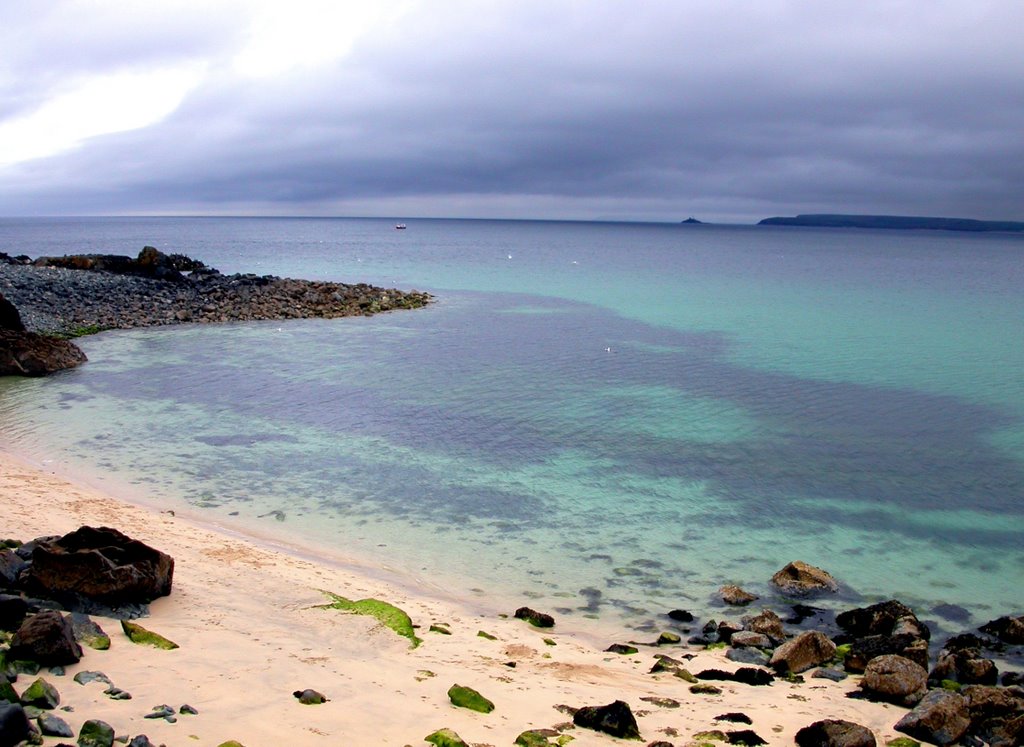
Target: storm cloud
[{"x": 657, "y": 110}]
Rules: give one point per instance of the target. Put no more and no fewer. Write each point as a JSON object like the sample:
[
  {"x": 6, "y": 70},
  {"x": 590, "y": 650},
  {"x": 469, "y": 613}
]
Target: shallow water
[{"x": 642, "y": 411}]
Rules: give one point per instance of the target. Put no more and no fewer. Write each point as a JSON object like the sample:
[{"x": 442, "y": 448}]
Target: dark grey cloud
[{"x": 734, "y": 109}]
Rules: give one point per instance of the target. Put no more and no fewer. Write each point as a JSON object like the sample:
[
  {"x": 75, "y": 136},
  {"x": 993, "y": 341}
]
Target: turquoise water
[{"x": 644, "y": 411}]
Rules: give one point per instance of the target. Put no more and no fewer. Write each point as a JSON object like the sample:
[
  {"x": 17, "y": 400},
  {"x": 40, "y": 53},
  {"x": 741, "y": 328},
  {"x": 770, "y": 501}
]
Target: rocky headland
[{"x": 47, "y": 300}]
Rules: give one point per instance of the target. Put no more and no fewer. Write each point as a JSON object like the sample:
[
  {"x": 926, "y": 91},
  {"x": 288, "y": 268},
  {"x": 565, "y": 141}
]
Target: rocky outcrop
[
  {"x": 9, "y": 316},
  {"x": 895, "y": 679},
  {"x": 885, "y": 618},
  {"x": 835, "y": 733},
  {"x": 99, "y": 564},
  {"x": 997, "y": 714},
  {"x": 966, "y": 666},
  {"x": 809, "y": 649},
  {"x": 1007, "y": 629},
  {"x": 940, "y": 718},
  {"x": 863, "y": 650},
  {"x": 802, "y": 579},
  {"x": 767, "y": 623},
  {"x": 24, "y": 353}
]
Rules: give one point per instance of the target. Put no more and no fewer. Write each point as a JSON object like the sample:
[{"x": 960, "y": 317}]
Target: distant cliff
[{"x": 894, "y": 221}]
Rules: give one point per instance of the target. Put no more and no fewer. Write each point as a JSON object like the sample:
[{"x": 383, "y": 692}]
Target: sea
[{"x": 604, "y": 421}]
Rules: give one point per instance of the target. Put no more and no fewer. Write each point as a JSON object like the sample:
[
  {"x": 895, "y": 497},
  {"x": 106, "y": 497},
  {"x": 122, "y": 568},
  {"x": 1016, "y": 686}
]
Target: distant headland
[{"x": 894, "y": 221}]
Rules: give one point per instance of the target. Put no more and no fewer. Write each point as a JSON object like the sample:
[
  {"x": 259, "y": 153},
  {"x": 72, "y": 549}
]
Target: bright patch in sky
[
  {"x": 101, "y": 105},
  {"x": 305, "y": 33}
]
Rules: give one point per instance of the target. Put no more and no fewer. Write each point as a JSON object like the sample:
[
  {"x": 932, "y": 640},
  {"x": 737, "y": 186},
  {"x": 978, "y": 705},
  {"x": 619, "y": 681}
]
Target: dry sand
[{"x": 245, "y": 617}]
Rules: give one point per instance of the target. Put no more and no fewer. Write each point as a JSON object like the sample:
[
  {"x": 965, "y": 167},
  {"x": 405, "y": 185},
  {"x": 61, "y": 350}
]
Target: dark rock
[
  {"x": 681, "y": 616},
  {"x": 703, "y": 689},
  {"x": 31, "y": 354},
  {"x": 53, "y": 726},
  {"x": 801, "y": 612},
  {"x": 749, "y": 639},
  {"x": 46, "y": 638},
  {"x": 537, "y": 619},
  {"x": 11, "y": 566},
  {"x": 88, "y": 632},
  {"x": 963, "y": 641},
  {"x": 895, "y": 679},
  {"x": 7, "y": 692},
  {"x": 735, "y": 596},
  {"x": 1010, "y": 679},
  {"x": 116, "y": 693},
  {"x": 993, "y": 712},
  {"x": 621, "y": 648},
  {"x": 9, "y": 316},
  {"x": 188, "y": 710},
  {"x": 828, "y": 673},
  {"x": 753, "y": 656},
  {"x": 14, "y": 725},
  {"x": 13, "y": 610},
  {"x": 743, "y": 675},
  {"x": 744, "y": 736},
  {"x": 801, "y": 579},
  {"x": 953, "y": 612},
  {"x": 864, "y": 650},
  {"x": 809, "y": 649},
  {"x": 835, "y": 733},
  {"x": 87, "y": 676},
  {"x": 615, "y": 719},
  {"x": 100, "y": 564},
  {"x": 141, "y": 741},
  {"x": 735, "y": 718},
  {"x": 767, "y": 623},
  {"x": 966, "y": 666},
  {"x": 941, "y": 718},
  {"x": 726, "y": 628},
  {"x": 96, "y": 733},
  {"x": 1007, "y": 629},
  {"x": 164, "y": 711},
  {"x": 885, "y": 618}
]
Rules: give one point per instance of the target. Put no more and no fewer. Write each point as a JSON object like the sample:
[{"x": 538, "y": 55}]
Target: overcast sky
[{"x": 726, "y": 110}]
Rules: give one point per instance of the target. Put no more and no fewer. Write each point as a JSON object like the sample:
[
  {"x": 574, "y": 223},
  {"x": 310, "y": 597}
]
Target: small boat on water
[{"x": 399, "y": 226}]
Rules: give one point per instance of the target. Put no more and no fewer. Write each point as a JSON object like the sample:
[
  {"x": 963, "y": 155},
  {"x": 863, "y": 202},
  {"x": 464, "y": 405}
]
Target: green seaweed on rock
[
  {"x": 445, "y": 738},
  {"x": 467, "y": 697},
  {"x": 138, "y": 634},
  {"x": 386, "y": 614}
]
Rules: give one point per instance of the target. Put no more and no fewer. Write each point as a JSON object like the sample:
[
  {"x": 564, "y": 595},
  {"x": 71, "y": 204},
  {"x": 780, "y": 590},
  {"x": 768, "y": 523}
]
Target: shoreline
[{"x": 245, "y": 616}]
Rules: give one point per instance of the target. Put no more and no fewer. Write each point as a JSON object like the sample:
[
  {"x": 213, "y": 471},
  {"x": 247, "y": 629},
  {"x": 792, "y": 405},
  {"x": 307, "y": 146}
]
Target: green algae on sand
[{"x": 387, "y": 614}]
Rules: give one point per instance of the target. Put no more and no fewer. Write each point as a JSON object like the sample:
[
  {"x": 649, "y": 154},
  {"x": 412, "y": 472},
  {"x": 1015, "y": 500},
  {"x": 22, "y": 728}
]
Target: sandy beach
[{"x": 250, "y": 632}]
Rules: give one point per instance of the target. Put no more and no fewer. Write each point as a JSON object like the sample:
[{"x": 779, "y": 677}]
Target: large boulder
[
  {"x": 802, "y": 579},
  {"x": 809, "y": 649},
  {"x": 940, "y": 718},
  {"x": 997, "y": 714},
  {"x": 31, "y": 354},
  {"x": 835, "y": 733},
  {"x": 895, "y": 679},
  {"x": 863, "y": 650},
  {"x": 966, "y": 666},
  {"x": 102, "y": 565},
  {"x": 885, "y": 618},
  {"x": 47, "y": 638},
  {"x": 1007, "y": 629},
  {"x": 14, "y": 726},
  {"x": 768, "y": 624}
]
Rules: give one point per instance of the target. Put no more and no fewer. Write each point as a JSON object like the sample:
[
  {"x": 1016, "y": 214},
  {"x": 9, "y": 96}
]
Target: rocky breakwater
[
  {"x": 24, "y": 353},
  {"x": 61, "y": 297}
]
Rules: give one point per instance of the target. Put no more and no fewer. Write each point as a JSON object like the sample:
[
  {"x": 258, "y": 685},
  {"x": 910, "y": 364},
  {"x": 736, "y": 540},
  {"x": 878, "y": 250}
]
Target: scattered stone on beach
[
  {"x": 7, "y": 691},
  {"x": 188, "y": 710},
  {"x": 705, "y": 689},
  {"x": 726, "y": 628},
  {"x": 116, "y": 693},
  {"x": 1007, "y": 629},
  {"x": 53, "y": 726},
  {"x": 940, "y": 718},
  {"x": 536, "y": 738},
  {"x": 385, "y": 613},
  {"x": 668, "y": 638},
  {"x": 143, "y": 741},
  {"x": 809, "y": 649},
  {"x": 735, "y": 596},
  {"x": 754, "y": 656},
  {"x": 306, "y": 697},
  {"x": 615, "y": 719},
  {"x": 743, "y": 675},
  {"x": 863, "y": 650},
  {"x": 140, "y": 635},
  {"x": 835, "y": 733},
  {"x": 766, "y": 623},
  {"x": 86, "y": 676},
  {"x": 100, "y": 564},
  {"x": 535, "y": 618},
  {"x": 467, "y": 697},
  {"x": 445, "y": 738},
  {"x": 746, "y": 737},
  {"x": 88, "y": 632},
  {"x": 163, "y": 711},
  {"x": 14, "y": 724},
  {"x": 681, "y": 616},
  {"x": 802, "y": 579},
  {"x": 661, "y": 702},
  {"x": 734, "y": 718},
  {"x": 96, "y": 733},
  {"x": 623, "y": 649},
  {"x": 895, "y": 679},
  {"x": 829, "y": 673},
  {"x": 749, "y": 639},
  {"x": 47, "y": 638},
  {"x": 41, "y": 694}
]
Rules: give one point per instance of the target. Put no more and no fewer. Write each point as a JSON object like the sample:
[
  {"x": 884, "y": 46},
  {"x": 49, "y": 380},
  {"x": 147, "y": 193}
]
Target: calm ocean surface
[{"x": 604, "y": 420}]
